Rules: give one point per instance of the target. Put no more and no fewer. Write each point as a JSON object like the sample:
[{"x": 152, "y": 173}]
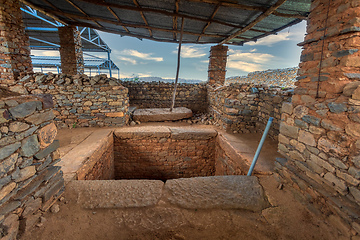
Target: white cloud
[
  {"x": 282, "y": 36},
  {"x": 191, "y": 52},
  {"x": 45, "y": 53},
  {"x": 144, "y": 56},
  {"x": 248, "y": 61},
  {"x": 126, "y": 59}
]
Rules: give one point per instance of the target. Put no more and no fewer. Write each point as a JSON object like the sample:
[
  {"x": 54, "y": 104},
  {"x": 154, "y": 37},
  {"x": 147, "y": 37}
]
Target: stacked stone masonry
[
  {"x": 80, "y": 101},
  {"x": 246, "y": 108},
  {"x": 320, "y": 128},
  {"x": 15, "y": 58},
  {"x": 159, "y": 95},
  {"x": 29, "y": 181},
  {"x": 284, "y": 78},
  {"x": 72, "y": 61},
  {"x": 217, "y": 64}
]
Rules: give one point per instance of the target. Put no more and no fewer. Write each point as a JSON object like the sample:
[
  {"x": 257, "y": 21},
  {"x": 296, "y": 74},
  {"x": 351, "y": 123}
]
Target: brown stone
[
  {"x": 161, "y": 114},
  {"x": 6, "y": 190},
  {"x": 307, "y": 138},
  {"x": 114, "y": 114},
  {"x": 353, "y": 129},
  {"x": 47, "y": 135}
]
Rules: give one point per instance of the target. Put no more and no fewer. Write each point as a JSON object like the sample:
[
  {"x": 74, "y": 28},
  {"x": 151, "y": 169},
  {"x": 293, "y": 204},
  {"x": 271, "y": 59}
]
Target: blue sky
[
  {"x": 157, "y": 59},
  {"x": 148, "y": 58}
]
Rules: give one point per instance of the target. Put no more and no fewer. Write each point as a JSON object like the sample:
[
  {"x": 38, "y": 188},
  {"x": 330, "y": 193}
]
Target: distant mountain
[{"x": 159, "y": 79}]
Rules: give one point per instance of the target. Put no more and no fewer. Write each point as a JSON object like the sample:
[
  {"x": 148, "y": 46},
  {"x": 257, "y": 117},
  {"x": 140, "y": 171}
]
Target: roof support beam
[
  {"x": 143, "y": 17},
  {"x": 80, "y": 10},
  {"x": 234, "y": 4},
  {"x": 100, "y": 19},
  {"x": 253, "y": 23},
  {"x": 117, "y": 17},
  {"x": 209, "y": 22},
  {"x": 175, "y": 18}
]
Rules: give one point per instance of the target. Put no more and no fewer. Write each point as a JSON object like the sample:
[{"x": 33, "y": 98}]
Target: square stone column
[
  {"x": 320, "y": 129},
  {"x": 15, "y": 58},
  {"x": 217, "y": 64},
  {"x": 72, "y": 61}
]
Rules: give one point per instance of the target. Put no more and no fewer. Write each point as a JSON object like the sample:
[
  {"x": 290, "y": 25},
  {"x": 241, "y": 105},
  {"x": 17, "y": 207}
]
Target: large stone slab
[
  {"x": 161, "y": 114},
  {"x": 116, "y": 193},
  {"x": 225, "y": 192},
  {"x": 190, "y": 133},
  {"x": 89, "y": 148},
  {"x": 143, "y": 132}
]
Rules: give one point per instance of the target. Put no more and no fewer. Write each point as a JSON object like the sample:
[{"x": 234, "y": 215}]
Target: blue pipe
[{"x": 260, "y": 145}]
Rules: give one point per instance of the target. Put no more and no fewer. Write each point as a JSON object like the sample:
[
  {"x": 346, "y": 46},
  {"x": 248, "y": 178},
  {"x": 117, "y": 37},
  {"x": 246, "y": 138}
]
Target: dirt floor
[{"x": 286, "y": 219}]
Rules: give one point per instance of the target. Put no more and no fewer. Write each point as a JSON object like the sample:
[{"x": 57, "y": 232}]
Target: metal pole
[
  {"x": 109, "y": 62},
  {"x": 260, "y": 145},
  {"x": 178, "y": 65},
  {"x": 90, "y": 71}
]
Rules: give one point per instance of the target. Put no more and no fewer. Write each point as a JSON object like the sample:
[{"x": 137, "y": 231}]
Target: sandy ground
[{"x": 286, "y": 219}]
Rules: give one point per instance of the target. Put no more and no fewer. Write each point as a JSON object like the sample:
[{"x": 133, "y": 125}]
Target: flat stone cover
[
  {"x": 225, "y": 192},
  {"x": 161, "y": 114},
  {"x": 116, "y": 194}
]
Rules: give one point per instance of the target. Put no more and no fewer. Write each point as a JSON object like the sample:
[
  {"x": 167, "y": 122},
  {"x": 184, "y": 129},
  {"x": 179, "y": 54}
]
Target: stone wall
[
  {"x": 163, "y": 153},
  {"x": 159, "y": 95},
  {"x": 15, "y": 58},
  {"x": 320, "y": 129},
  {"x": 29, "y": 181},
  {"x": 246, "y": 108},
  {"x": 80, "y": 100}
]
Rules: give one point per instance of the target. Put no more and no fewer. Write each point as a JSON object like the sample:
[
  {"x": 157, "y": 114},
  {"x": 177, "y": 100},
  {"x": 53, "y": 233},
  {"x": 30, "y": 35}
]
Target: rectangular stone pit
[{"x": 158, "y": 153}]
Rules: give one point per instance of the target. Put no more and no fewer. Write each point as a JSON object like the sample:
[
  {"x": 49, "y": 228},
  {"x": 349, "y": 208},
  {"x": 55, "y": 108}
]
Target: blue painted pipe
[{"x": 260, "y": 145}]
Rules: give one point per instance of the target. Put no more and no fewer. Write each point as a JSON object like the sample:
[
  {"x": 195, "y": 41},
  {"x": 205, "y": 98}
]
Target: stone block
[
  {"x": 338, "y": 163},
  {"x": 9, "y": 207},
  {"x": 25, "y": 173},
  {"x": 311, "y": 119},
  {"x": 321, "y": 162},
  {"x": 329, "y": 125},
  {"x": 24, "y": 109},
  {"x": 224, "y": 192},
  {"x": 8, "y": 164},
  {"x": 30, "y": 146},
  {"x": 116, "y": 193},
  {"x": 4, "y": 191},
  {"x": 18, "y": 127},
  {"x": 354, "y": 172},
  {"x": 353, "y": 129},
  {"x": 114, "y": 114},
  {"x": 337, "y": 107},
  {"x": 48, "y": 150},
  {"x": 339, "y": 184},
  {"x": 300, "y": 111},
  {"x": 39, "y": 118},
  {"x": 161, "y": 114},
  {"x": 307, "y": 138},
  {"x": 350, "y": 88},
  {"x": 349, "y": 179},
  {"x": 8, "y": 150},
  {"x": 4, "y": 116},
  {"x": 192, "y": 133},
  {"x": 289, "y": 131},
  {"x": 143, "y": 132},
  {"x": 47, "y": 135}
]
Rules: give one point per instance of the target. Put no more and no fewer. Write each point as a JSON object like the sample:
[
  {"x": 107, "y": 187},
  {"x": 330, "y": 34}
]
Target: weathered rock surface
[
  {"x": 116, "y": 193},
  {"x": 161, "y": 114},
  {"x": 225, "y": 192}
]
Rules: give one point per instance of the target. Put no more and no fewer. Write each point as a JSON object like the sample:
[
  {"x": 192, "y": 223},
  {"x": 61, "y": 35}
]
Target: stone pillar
[
  {"x": 72, "y": 61},
  {"x": 320, "y": 129},
  {"x": 15, "y": 58},
  {"x": 217, "y": 64}
]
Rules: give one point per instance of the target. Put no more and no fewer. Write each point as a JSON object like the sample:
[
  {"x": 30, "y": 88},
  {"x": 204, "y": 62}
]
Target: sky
[{"x": 145, "y": 58}]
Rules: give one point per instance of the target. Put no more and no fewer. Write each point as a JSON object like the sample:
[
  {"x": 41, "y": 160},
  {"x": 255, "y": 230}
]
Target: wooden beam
[
  {"x": 143, "y": 16},
  {"x": 117, "y": 18},
  {"x": 100, "y": 19},
  {"x": 253, "y": 23},
  {"x": 175, "y": 18},
  {"x": 116, "y": 31},
  {"x": 80, "y": 10},
  {"x": 160, "y": 11},
  {"x": 209, "y": 22},
  {"x": 234, "y": 4}
]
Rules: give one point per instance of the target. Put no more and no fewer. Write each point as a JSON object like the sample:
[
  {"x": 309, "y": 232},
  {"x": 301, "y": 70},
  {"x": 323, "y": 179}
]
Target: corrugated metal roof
[
  {"x": 205, "y": 21},
  {"x": 90, "y": 62}
]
